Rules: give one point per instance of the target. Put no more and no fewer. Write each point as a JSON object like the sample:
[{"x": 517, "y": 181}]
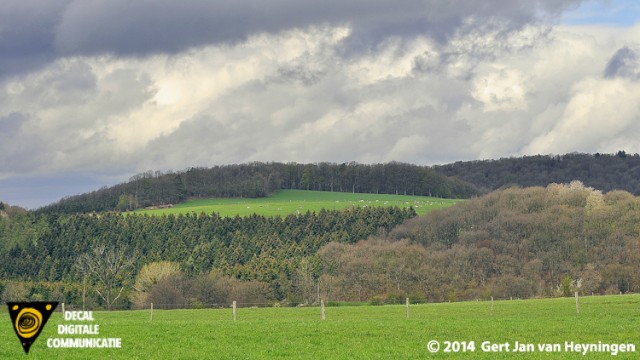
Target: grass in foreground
[
  {"x": 358, "y": 332},
  {"x": 285, "y": 202}
]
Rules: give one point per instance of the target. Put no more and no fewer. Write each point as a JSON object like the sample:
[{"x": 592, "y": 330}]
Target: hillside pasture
[
  {"x": 353, "y": 332},
  {"x": 285, "y": 202}
]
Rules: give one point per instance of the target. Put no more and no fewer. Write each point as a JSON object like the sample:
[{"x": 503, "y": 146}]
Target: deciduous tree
[{"x": 109, "y": 269}]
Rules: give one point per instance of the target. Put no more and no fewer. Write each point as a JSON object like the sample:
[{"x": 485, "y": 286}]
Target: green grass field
[
  {"x": 351, "y": 332},
  {"x": 285, "y": 202}
]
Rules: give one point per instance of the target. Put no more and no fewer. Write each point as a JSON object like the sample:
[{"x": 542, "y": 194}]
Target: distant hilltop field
[
  {"x": 285, "y": 202},
  {"x": 459, "y": 180}
]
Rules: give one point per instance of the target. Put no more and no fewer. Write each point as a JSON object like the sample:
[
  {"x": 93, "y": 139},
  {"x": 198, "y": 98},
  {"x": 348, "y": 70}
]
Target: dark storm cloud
[
  {"x": 625, "y": 63},
  {"x": 146, "y": 26},
  {"x": 27, "y": 34},
  {"x": 34, "y": 32}
]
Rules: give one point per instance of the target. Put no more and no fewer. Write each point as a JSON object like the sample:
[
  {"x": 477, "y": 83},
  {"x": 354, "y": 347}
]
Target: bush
[
  {"x": 212, "y": 288},
  {"x": 168, "y": 293},
  {"x": 417, "y": 297},
  {"x": 377, "y": 300},
  {"x": 395, "y": 298}
]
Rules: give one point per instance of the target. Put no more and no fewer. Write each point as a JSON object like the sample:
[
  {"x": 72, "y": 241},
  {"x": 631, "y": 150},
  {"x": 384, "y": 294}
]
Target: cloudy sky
[{"x": 95, "y": 91}]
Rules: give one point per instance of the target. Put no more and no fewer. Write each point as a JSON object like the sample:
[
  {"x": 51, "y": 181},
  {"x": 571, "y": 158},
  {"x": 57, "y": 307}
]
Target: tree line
[
  {"x": 42, "y": 253},
  {"x": 463, "y": 179},
  {"x": 605, "y": 172},
  {"x": 261, "y": 179}
]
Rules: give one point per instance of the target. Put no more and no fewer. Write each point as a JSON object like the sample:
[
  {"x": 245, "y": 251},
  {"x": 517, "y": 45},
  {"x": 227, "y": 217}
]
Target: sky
[{"x": 93, "y": 92}]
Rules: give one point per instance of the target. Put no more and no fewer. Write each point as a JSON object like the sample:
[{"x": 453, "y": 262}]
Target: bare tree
[
  {"x": 108, "y": 268},
  {"x": 307, "y": 276}
]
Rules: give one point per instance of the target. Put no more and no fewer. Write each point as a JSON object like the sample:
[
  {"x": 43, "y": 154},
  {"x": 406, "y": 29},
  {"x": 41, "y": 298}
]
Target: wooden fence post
[
  {"x": 234, "y": 310},
  {"x": 577, "y": 304},
  {"x": 407, "y": 302},
  {"x": 151, "y": 311},
  {"x": 62, "y": 309},
  {"x": 323, "y": 315}
]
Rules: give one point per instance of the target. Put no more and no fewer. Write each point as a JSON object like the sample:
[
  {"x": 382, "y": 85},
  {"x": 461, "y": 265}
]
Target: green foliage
[
  {"x": 12, "y": 290},
  {"x": 257, "y": 250},
  {"x": 376, "y": 300},
  {"x": 351, "y": 332},
  {"x": 565, "y": 286}
]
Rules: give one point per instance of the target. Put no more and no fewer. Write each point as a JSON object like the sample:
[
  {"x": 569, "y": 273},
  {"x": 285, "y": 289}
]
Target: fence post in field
[
  {"x": 151, "y": 311},
  {"x": 407, "y": 303},
  {"x": 577, "y": 304},
  {"x": 323, "y": 315},
  {"x": 492, "y": 306},
  {"x": 234, "y": 310},
  {"x": 62, "y": 309}
]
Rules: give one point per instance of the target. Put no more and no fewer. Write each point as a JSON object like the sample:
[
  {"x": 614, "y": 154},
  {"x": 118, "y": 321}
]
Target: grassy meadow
[
  {"x": 351, "y": 332},
  {"x": 285, "y": 202}
]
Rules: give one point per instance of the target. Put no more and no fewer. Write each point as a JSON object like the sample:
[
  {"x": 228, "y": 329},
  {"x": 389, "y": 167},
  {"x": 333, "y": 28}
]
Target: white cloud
[
  {"x": 294, "y": 97},
  {"x": 501, "y": 89},
  {"x": 487, "y": 89},
  {"x": 602, "y": 115}
]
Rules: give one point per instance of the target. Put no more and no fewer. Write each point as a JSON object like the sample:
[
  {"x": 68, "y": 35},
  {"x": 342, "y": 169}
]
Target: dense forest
[
  {"x": 524, "y": 240},
  {"x": 516, "y": 242},
  {"x": 262, "y": 179},
  {"x": 44, "y": 254},
  {"x": 605, "y": 172}
]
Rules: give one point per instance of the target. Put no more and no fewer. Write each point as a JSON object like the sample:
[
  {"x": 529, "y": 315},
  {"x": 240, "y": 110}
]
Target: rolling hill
[
  {"x": 459, "y": 180},
  {"x": 256, "y": 180}
]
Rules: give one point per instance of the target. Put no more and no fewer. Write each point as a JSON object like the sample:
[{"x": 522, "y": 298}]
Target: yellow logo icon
[{"x": 29, "y": 318}]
